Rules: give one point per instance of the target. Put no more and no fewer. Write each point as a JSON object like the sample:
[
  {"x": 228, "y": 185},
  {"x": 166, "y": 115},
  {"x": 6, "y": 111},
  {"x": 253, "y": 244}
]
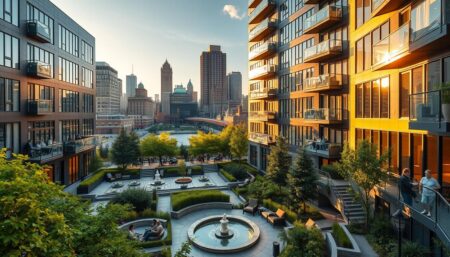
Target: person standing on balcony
[
  {"x": 406, "y": 187},
  {"x": 426, "y": 186}
]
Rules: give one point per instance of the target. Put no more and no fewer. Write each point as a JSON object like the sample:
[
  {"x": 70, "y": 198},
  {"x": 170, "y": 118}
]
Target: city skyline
[{"x": 180, "y": 39}]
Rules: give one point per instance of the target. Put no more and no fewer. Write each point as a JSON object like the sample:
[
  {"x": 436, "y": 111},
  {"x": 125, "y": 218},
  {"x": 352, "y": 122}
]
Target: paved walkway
[{"x": 366, "y": 248}]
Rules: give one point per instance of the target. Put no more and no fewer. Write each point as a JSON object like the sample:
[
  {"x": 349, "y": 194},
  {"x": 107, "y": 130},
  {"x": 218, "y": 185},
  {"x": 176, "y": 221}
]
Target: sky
[{"x": 144, "y": 33}]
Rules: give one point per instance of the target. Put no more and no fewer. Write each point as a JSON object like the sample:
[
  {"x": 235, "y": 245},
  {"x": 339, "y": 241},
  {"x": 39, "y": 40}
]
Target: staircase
[
  {"x": 352, "y": 210},
  {"x": 147, "y": 173},
  {"x": 210, "y": 168}
]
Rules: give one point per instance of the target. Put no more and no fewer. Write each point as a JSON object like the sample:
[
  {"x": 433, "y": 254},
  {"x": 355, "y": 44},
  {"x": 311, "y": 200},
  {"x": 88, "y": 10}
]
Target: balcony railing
[
  {"x": 322, "y": 19},
  {"x": 323, "y": 115},
  {"x": 38, "y": 31},
  {"x": 430, "y": 111},
  {"x": 261, "y": 138},
  {"x": 323, "y": 50},
  {"x": 389, "y": 48},
  {"x": 262, "y": 115},
  {"x": 258, "y": 13},
  {"x": 45, "y": 153},
  {"x": 439, "y": 221},
  {"x": 265, "y": 27},
  {"x": 39, "y": 107},
  {"x": 253, "y": 3},
  {"x": 79, "y": 145},
  {"x": 262, "y": 94},
  {"x": 263, "y": 71},
  {"x": 39, "y": 69},
  {"x": 261, "y": 51},
  {"x": 323, "y": 82},
  {"x": 324, "y": 149}
]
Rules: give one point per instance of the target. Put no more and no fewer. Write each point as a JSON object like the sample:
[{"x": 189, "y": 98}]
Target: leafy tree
[
  {"x": 182, "y": 167},
  {"x": 39, "y": 219},
  {"x": 139, "y": 198},
  {"x": 279, "y": 162},
  {"x": 225, "y": 139},
  {"x": 303, "y": 242},
  {"x": 364, "y": 168},
  {"x": 125, "y": 149},
  {"x": 204, "y": 143},
  {"x": 162, "y": 145},
  {"x": 96, "y": 163},
  {"x": 184, "y": 251},
  {"x": 184, "y": 152},
  {"x": 302, "y": 180},
  {"x": 239, "y": 142}
]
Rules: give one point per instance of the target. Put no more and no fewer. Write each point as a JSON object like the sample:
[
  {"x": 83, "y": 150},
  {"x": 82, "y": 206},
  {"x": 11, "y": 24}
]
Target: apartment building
[{"x": 47, "y": 88}]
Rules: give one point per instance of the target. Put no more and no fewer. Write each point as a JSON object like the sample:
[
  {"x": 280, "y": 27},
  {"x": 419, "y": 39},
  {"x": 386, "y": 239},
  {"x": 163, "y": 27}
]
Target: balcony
[
  {"x": 263, "y": 94},
  {"x": 324, "y": 50},
  {"x": 44, "y": 154},
  {"x": 380, "y": 7},
  {"x": 311, "y": 1},
  {"x": 323, "y": 115},
  {"x": 391, "y": 48},
  {"x": 262, "y": 30},
  {"x": 79, "y": 145},
  {"x": 263, "y": 116},
  {"x": 324, "y": 18},
  {"x": 261, "y": 138},
  {"x": 40, "y": 107},
  {"x": 39, "y": 70},
  {"x": 264, "y": 8},
  {"x": 262, "y": 51},
  {"x": 38, "y": 31},
  {"x": 323, "y": 82},
  {"x": 430, "y": 111},
  {"x": 323, "y": 149},
  {"x": 253, "y": 3},
  {"x": 263, "y": 72}
]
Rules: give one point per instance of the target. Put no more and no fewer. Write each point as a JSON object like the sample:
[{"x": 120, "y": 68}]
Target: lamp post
[{"x": 399, "y": 223}]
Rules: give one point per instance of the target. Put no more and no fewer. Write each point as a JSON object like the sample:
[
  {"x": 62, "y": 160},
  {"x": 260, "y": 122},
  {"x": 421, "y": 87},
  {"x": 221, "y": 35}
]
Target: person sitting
[
  {"x": 155, "y": 231},
  {"x": 131, "y": 233}
]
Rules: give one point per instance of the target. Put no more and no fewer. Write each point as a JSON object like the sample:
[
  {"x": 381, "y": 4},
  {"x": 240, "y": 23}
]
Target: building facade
[
  {"x": 234, "y": 87},
  {"x": 214, "y": 94},
  {"x": 47, "y": 82},
  {"x": 131, "y": 85},
  {"x": 141, "y": 108},
  {"x": 108, "y": 88},
  {"x": 113, "y": 124},
  {"x": 181, "y": 104},
  {"x": 166, "y": 88}
]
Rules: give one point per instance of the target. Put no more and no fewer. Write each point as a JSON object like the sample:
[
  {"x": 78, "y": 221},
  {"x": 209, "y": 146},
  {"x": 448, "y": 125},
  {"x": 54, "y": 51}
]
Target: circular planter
[{"x": 183, "y": 180}]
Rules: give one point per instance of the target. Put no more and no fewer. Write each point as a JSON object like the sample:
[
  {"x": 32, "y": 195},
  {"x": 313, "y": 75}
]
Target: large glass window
[
  {"x": 367, "y": 100},
  {"x": 10, "y": 136},
  {"x": 417, "y": 80},
  {"x": 70, "y": 130},
  {"x": 405, "y": 82},
  {"x": 376, "y": 98},
  {"x": 446, "y": 165},
  {"x": 41, "y": 132},
  {"x": 87, "y": 77},
  {"x": 433, "y": 75},
  {"x": 363, "y": 11},
  {"x": 36, "y": 54},
  {"x": 425, "y": 17},
  {"x": 34, "y": 13},
  {"x": 384, "y": 101},
  {"x": 418, "y": 154},
  {"x": 87, "y": 52},
  {"x": 405, "y": 161},
  {"x": 68, "y": 71},
  {"x": 9, "y": 11},
  {"x": 68, "y": 41},
  {"x": 9, "y": 95},
  {"x": 69, "y": 101},
  {"x": 393, "y": 146},
  {"x": 74, "y": 164},
  {"x": 432, "y": 157},
  {"x": 359, "y": 55},
  {"x": 359, "y": 100},
  {"x": 9, "y": 51}
]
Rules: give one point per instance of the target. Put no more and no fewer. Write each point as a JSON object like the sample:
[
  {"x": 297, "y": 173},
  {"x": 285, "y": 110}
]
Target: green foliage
[
  {"x": 303, "y": 242},
  {"x": 279, "y": 162},
  {"x": 139, "y": 198},
  {"x": 125, "y": 150},
  {"x": 239, "y": 142},
  {"x": 413, "y": 249},
  {"x": 162, "y": 145},
  {"x": 182, "y": 167},
  {"x": 97, "y": 177},
  {"x": 147, "y": 213},
  {"x": 104, "y": 152},
  {"x": 205, "y": 143},
  {"x": 332, "y": 169},
  {"x": 175, "y": 171},
  {"x": 236, "y": 170},
  {"x": 39, "y": 219},
  {"x": 381, "y": 236},
  {"x": 291, "y": 216},
  {"x": 364, "y": 168},
  {"x": 263, "y": 188},
  {"x": 302, "y": 180},
  {"x": 184, "y": 152},
  {"x": 185, "y": 250},
  {"x": 225, "y": 139},
  {"x": 185, "y": 199},
  {"x": 227, "y": 175},
  {"x": 96, "y": 164},
  {"x": 340, "y": 236}
]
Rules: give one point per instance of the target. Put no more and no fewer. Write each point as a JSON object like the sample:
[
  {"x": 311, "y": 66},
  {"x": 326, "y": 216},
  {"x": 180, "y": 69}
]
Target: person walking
[
  {"x": 406, "y": 187},
  {"x": 426, "y": 186}
]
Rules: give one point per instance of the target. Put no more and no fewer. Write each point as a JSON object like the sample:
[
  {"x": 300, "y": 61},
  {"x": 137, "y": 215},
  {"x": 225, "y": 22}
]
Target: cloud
[{"x": 233, "y": 12}]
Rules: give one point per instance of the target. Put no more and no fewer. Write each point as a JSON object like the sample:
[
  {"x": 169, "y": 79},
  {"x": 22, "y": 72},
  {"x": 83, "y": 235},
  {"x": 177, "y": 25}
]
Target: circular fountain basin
[
  {"x": 245, "y": 234},
  {"x": 183, "y": 180}
]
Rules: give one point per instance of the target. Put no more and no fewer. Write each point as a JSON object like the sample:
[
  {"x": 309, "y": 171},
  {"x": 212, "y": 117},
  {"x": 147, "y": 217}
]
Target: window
[
  {"x": 425, "y": 17},
  {"x": 432, "y": 149},
  {"x": 9, "y": 95},
  {"x": 446, "y": 161},
  {"x": 87, "y": 79},
  {"x": 418, "y": 153},
  {"x": 289, "y": 7},
  {"x": 69, "y": 101},
  {"x": 88, "y": 101},
  {"x": 88, "y": 127},
  {"x": 74, "y": 163},
  {"x": 359, "y": 100},
  {"x": 70, "y": 129},
  {"x": 87, "y": 52},
  {"x": 417, "y": 80},
  {"x": 39, "y": 92},
  {"x": 405, "y": 161},
  {"x": 36, "y": 54},
  {"x": 363, "y": 12},
  {"x": 404, "y": 94},
  {"x": 41, "y": 131},
  {"x": 433, "y": 75},
  {"x": 34, "y": 13},
  {"x": 367, "y": 100},
  {"x": 10, "y": 136},
  {"x": 384, "y": 101},
  {"x": 393, "y": 144},
  {"x": 376, "y": 98},
  {"x": 68, "y": 41},
  {"x": 359, "y": 55},
  {"x": 9, "y": 11},
  {"x": 372, "y": 99},
  {"x": 9, "y": 51},
  {"x": 68, "y": 71},
  {"x": 294, "y": 29}
]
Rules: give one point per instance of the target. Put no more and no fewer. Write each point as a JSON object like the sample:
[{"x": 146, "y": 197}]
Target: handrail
[{"x": 332, "y": 185}]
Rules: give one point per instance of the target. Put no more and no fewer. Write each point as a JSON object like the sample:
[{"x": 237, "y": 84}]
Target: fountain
[
  {"x": 158, "y": 181},
  {"x": 224, "y": 234}
]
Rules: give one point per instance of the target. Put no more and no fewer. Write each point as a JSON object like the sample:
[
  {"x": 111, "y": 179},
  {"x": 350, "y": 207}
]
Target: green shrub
[
  {"x": 291, "y": 216},
  {"x": 100, "y": 175},
  {"x": 340, "y": 236},
  {"x": 197, "y": 170},
  {"x": 147, "y": 213},
  {"x": 175, "y": 171},
  {"x": 233, "y": 168},
  {"x": 332, "y": 170},
  {"x": 185, "y": 199},
  {"x": 413, "y": 249},
  {"x": 228, "y": 176},
  {"x": 139, "y": 198}
]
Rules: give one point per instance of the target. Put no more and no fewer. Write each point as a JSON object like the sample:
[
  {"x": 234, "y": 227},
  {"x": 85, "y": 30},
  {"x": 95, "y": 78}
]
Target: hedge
[
  {"x": 185, "y": 199},
  {"x": 175, "y": 171},
  {"x": 227, "y": 175},
  {"x": 87, "y": 185},
  {"x": 239, "y": 171},
  {"x": 291, "y": 216},
  {"x": 341, "y": 237}
]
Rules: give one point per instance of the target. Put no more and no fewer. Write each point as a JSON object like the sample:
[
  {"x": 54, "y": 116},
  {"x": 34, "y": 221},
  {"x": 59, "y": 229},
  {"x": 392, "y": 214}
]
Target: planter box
[{"x": 355, "y": 251}]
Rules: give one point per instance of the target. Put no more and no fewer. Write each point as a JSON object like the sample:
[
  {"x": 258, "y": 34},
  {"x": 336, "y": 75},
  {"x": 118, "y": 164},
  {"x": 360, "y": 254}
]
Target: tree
[
  {"x": 225, "y": 138},
  {"x": 364, "y": 168},
  {"x": 182, "y": 167},
  {"x": 279, "y": 162},
  {"x": 160, "y": 146},
  {"x": 184, "y": 251},
  {"x": 40, "y": 219},
  {"x": 96, "y": 164},
  {"x": 104, "y": 151},
  {"x": 303, "y": 242},
  {"x": 184, "y": 152},
  {"x": 139, "y": 198},
  {"x": 204, "y": 143},
  {"x": 302, "y": 180},
  {"x": 239, "y": 142},
  {"x": 125, "y": 149}
]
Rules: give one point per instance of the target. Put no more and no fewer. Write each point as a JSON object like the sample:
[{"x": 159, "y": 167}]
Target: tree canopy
[
  {"x": 239, "y": 142},
  {"x": 125, "y": 149},
  {"x": 162, "y": 145},
  {"x": 205, "y": 143},
  {"x": 279, "y": 162},
  {"x": 303, "y": 242}
]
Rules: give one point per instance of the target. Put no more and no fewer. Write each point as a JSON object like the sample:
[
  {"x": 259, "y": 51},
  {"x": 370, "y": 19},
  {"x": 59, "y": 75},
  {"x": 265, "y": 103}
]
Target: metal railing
[
  {"x": 79, "y": 145},
  {"x": 266, "y": 46},
  {"x": 322, "y": 81},
  {"x": 323, "y": 48},
  {"x": 324, "y": 148},
  {"x": 391, "y": 46},
  {"x": 262, "y": 70},
  {"x": 38, "y": 29},
  {"x": 47, "y": 152},
  {"x": 38, "y": 106},
  {"x": 39, "y": 69},
  {"x": 261, "y": 138},
  {"x": 427, "y": 106},
  {"x": 266, "y": 92},
  {"x": 262, "y": 115},
  {"x": 323, "y": 114},
  {"x": 263, "y": 4},
  {"x": 261, "y": 27},
  {"x": 322, "y": 15},
  {"x": 335, "y": 196}
]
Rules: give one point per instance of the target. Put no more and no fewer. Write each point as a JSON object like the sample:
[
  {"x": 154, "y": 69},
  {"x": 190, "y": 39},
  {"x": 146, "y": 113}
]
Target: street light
[{"x": 399, "y": 222}]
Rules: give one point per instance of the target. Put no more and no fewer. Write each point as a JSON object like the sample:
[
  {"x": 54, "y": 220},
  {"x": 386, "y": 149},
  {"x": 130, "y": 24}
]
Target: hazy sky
[{"x": 144, "y": 33}]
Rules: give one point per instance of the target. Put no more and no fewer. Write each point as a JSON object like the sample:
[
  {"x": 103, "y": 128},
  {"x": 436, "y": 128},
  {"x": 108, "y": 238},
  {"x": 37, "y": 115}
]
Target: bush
[
  {"x": 238, "y": 171},
  {"x": 197, "y": 170},
  {"x": 332, "y": 170},
  {"x": 139, "y": 198},
  {"x": 413, "y": 249},
  {"x": 175, "y": 171},
  {"x": 87, "y": 185},
  {"x": 228, "y": 176},
  {"x": 147, "y": 213},
  {"x": 341, "y": 237},
  {"x": 185, "y": 199}
]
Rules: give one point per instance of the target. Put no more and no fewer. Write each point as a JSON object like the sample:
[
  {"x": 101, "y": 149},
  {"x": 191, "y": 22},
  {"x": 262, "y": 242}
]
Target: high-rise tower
[{"x": 166, "y": 87}]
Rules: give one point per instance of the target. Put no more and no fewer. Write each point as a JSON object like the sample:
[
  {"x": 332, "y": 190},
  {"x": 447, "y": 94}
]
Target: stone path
[{"x": 366, "y": 248}]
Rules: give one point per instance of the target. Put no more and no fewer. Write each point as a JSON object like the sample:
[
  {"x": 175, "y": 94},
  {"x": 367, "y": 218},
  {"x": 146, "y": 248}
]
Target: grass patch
[
  {"x": 341, "y": 237},
  {"x": 184, "y": 199}
]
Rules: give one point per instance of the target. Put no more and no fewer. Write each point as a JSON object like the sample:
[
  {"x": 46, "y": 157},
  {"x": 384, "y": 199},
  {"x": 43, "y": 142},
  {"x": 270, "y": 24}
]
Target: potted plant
[{"x": 445, "y": 101}]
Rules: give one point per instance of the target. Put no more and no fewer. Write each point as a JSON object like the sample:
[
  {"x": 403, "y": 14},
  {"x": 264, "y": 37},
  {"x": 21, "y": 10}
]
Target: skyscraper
[
  {"x": 108, "y": 89},
  {"x": 214, "y": 95},
  {"x": 166, "y": 88},
  {"x": 234, "y": 87},
  {"x": 131, "y": 85}
]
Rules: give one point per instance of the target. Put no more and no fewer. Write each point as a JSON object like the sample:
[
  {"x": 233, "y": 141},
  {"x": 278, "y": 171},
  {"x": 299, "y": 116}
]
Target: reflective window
[
  {"x": 36, "y": 54},
  {"x": 69, "y": 101},
  {"x": 9, "y": 51},
  {"x": 9, "y": 95},
  {"x": 68, "y": 71},
  {"x": 87, "y": 79},
  {"x": 68, "y": 41},
  {"x": 87, "y": 52},
  {"x": 34, "y": 13},
  {"x": 425, "y": 17},
  {"x": 9, "y": 136},
  {"x": 9, "y": 11}
]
